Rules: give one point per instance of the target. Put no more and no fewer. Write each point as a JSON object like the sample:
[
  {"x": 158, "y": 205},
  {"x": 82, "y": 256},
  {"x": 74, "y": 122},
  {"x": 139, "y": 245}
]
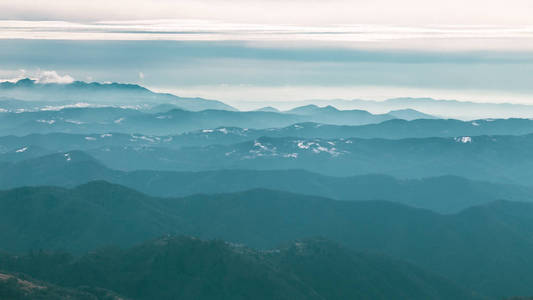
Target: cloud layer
[
  {"x": 40, "y": 76},
  {"x": 301, "y": 12},
  {"x": 349, "y": 35}
]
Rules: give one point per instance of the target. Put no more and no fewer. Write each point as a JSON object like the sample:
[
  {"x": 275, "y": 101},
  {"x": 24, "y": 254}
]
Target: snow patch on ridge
[
  {"x": 23, "y": 149},
  {"x": 463, "y": 139},
  {"x": 49, "y": 122}
]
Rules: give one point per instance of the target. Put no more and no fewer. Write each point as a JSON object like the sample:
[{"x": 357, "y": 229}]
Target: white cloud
[
  {"x": 40, "y": 76},
  {"x": 141, "y": 75},
  {"x": 308, "y": 12},
  {"x": 425, "y": 37},
  {"x": 53, "y": 77},
  {"x": 412, "y": 24}
]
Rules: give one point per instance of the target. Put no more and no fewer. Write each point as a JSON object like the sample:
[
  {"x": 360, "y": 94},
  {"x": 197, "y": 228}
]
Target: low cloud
[
  {"x": 53, "y": 77},
  {"x": 452, "y": 36},
  {"x": 40, "y": 76}
]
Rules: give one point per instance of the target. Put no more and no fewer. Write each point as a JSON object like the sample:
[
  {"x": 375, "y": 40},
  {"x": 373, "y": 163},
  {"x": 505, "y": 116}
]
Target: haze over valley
[{"x": 266, "y": 150}]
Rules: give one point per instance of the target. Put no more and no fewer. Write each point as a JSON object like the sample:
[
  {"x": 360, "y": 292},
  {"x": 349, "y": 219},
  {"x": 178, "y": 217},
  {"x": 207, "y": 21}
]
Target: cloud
[
  {"x": 53, "y": 77},
  {"x": 376, "y": 36},
  {"x": 141, "y": 75},
  {"x": 40, "y": 76},
  {"x": 308, "y": 12}
]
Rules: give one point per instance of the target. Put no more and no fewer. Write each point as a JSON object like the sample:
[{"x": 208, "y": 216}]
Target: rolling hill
[
  {"x": 189, "y": 268},
  {"x": 445, "y": 194},
  {"x": 503, "y": 159},
  {"x": 486, "y": 249}
]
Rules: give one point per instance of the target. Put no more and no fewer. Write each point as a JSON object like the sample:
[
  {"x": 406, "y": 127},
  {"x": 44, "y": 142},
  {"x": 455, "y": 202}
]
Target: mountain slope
[
  {"x": 503, "y": 159},
  {"x": 396, "y": 129},
  {"x": 91, "y": 120},
  {"x": 500, "y": 159},
  {"x": 486, "y": 249},
  {"x": 438, "y": 107},
  {"x": 103, "y": 93},
  {"x": 189, "y": 268},
  {"x": 409, "y": 114},
  {"x": 446, "y": 194},
  {"x": 21, "y": 287},
  {"x": 331, "y": 115}
]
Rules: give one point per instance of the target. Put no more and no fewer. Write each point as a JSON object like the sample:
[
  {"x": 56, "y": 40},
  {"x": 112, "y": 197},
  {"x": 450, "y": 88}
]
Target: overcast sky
[
  {"x": 308, "y": 12},
  {"x": 278, "y": 50},
  {"x": 453, "y": 24}
]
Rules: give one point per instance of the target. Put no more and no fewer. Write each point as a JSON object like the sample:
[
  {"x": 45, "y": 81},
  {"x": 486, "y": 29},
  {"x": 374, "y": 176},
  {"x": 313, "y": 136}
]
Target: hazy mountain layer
[
  {"x": 113, "y": 119},
  {"x": 445, "y": 194},
  {"x": 217, "y": 127},
  {"x": 437, "y": 107},
  {"x": 188, "y": 268},
  {"x": 22, "y": 287},
  {"x": 486, "y": 248},
  {"x": 100, "y": 93},
  {"x": 505, "y": 159}
]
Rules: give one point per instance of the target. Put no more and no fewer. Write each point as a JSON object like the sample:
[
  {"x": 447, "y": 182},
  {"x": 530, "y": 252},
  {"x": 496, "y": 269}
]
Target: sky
[{"x": 275, "y": 50}]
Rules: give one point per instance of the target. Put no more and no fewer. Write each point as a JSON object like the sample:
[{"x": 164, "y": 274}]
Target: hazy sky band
[
  {"x": 455, "y": 38},
  {"x": 302, "y": 12},
  {"x": 209, "y": 68},
  {"x": 260, "y": 49}
]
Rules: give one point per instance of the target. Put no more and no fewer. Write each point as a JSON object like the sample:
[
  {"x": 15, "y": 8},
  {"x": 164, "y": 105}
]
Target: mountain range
[
  {"x": 114, "y": 191},
  {"x": 485, "y": 249},
  {"x": 37, "y": 94},
  {"x": 100, "y": 93},
  {"x": 394, "y": 129},
  {"x": 100, "y": 120},
  {"x": 189, "y": 268},
  {"x": 464, "y": 110},
  {"x": 127, "y": 120},
  {"x": 446, "y": 194},
  {"x": 503, "y": 159}
]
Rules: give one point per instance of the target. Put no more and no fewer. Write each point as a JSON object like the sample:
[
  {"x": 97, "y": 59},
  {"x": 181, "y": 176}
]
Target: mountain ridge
[
  {"x": 111, "y": 93},
  {"x": 445, "y": 194},
  {"x": 491, "y": 243},
  {"x": 190, "y": 268}
]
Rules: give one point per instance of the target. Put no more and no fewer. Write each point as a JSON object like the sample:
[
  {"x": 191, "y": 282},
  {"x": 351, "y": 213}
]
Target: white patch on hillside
[
  {"x": 75, "y": 122},
  {"x": 23, "y": 149},
  {"x": 317, "y": 148},
  {"x": 464, "y": 139},
  {"x": 49, "y": 122},
  {"x": 60, "y": 107}
]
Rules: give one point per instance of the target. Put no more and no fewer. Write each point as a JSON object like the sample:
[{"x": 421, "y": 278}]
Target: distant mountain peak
[
  {"x": 311, "y": 109},
  {"x": 29, "y": 83},
  {"x": 330, "y": 108},
  {"x": 410, "y": 114},
  {"x": 25, "y": 82},
  {"x": 112, "y": 93},
  {"x": 268, "y": 109}
]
